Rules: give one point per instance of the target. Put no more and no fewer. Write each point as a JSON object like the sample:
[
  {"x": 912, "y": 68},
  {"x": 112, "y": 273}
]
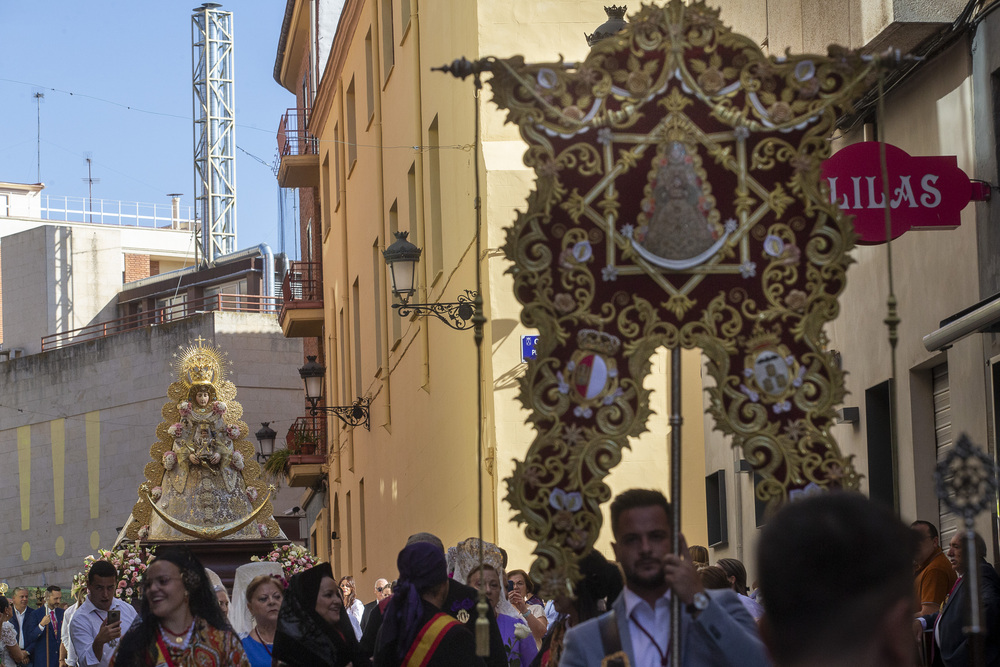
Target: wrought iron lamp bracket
[
  {"x": 456, "y": 314},
  {"x": 358, "y": 414}
]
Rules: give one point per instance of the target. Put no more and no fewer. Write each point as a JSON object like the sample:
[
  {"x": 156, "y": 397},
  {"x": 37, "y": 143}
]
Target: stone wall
[{"x": 76, "y": 425}]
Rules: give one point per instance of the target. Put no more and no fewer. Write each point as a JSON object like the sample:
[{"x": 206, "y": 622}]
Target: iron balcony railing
[
  {"x": 243, "y": 303},
  {"x": 293, "y": 136},
  {"x": 307, "y": 437},
  {"x": 303, "y": 282}
]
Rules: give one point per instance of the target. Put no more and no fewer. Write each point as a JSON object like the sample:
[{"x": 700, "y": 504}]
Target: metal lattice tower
[{"x": 214, "y": 128}]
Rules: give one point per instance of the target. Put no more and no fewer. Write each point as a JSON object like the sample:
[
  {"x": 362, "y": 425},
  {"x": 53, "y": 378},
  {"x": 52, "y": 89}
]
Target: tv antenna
[
  {"x": 39, "y": 98},
  {"x": 90, "y": 180}
]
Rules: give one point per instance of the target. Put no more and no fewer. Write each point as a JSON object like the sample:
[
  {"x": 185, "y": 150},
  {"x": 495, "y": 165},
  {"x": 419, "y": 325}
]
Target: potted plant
[{"x": 276, "y": 464}]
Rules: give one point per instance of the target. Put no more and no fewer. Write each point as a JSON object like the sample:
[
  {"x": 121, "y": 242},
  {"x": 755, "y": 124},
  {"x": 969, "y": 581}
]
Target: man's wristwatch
[{"x": 699, "y": 603}]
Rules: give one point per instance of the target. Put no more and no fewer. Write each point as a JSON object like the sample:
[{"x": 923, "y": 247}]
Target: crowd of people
[{"x": 841, "y": 582}]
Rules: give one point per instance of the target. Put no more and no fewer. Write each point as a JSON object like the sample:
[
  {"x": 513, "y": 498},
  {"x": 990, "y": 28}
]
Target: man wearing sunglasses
[{"x": 382, "y": 591}]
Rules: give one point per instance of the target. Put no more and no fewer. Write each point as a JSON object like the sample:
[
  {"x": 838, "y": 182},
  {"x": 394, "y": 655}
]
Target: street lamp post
[
  {"x": 312, "y": 375},
  {"x": 402, "y": 257},
  {"x": 265, "y": 436}
]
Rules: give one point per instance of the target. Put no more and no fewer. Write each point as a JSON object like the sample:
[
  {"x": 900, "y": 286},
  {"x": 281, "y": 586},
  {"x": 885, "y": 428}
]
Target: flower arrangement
[
  {"x": 184, "y": 407},
  {"x": 252, "y": 494},
  {"x": 236, "y": 461},
  {"x": 130, "y": 561},
  {"x": 219, "y": 408},
  {"x": 169, "y": 460},
  {"x": 175, "y": 429},
  {"x": 233, "y": 431},
  {"x": 291, "y": 557}
]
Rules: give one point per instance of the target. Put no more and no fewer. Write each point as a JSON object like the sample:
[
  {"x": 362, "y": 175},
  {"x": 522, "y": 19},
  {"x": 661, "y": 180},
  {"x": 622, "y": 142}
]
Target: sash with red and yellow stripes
[{"x": 428, "y": 639}]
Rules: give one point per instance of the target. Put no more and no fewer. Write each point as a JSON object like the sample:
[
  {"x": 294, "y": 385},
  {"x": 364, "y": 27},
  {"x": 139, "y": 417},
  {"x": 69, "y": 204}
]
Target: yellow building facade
[{"x": 395, "y": 153}]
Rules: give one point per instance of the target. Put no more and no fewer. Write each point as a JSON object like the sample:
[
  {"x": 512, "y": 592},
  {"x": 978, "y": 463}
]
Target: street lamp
[
  {"x": 265, "y": 436},
  {"x": 402, "y": 257},
  {"x": 312, "y": 375}
]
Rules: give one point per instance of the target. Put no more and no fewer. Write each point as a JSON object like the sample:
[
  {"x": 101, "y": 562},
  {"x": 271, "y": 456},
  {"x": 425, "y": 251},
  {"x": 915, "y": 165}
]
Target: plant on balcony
[
  {"x": 304, "y": 442},
  {"x": 275, "y": 466}
]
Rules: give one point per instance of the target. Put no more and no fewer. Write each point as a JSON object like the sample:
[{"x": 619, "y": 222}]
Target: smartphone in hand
[{"x": 114, "y": 616}]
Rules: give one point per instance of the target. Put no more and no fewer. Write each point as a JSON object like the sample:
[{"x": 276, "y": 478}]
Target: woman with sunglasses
[{"x": 181, "y": 623}]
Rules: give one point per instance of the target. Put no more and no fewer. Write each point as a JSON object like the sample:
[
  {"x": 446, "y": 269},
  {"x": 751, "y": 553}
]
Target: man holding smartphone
[{"x": 102, "y": 619}]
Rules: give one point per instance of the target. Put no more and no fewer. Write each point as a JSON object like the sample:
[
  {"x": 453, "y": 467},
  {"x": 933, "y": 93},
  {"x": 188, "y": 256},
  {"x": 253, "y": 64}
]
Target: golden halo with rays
[{"x": 201, "y": 362}]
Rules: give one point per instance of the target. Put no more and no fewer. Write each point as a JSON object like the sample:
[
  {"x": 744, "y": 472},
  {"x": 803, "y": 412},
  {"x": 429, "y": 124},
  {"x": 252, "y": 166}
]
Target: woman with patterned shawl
[
  {"x": 181, "y": 623},
  {"x": 313, "y": 629}
]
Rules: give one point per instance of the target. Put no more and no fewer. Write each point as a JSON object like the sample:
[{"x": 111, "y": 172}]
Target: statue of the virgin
[{"x": 202, "y": 482}]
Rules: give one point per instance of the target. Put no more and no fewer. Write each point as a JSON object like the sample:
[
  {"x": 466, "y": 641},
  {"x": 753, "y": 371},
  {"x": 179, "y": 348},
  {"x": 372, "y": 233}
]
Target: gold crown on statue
[
  {"x": 598, "y": 341},
  {"x": 200, "y": 364}
]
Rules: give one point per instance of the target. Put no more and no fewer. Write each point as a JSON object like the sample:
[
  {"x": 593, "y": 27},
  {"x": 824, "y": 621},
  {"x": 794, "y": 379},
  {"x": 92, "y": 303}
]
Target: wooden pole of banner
[{"x": 675, "y": 494}]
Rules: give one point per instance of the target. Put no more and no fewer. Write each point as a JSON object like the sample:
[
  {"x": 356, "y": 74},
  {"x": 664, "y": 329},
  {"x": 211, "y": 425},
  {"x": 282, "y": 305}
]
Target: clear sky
[{"x": 111, "y": 55}]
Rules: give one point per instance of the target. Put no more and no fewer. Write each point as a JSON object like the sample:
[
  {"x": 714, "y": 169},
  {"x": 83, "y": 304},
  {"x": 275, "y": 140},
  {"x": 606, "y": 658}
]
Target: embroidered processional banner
[{"x": 677, "y": 203}]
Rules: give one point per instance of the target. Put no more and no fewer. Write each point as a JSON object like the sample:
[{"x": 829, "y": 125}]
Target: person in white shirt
[
  {"x": 94, "y": 639},
  {"x": 79, "y": 595},
  {"x": 21, "y": 611}
]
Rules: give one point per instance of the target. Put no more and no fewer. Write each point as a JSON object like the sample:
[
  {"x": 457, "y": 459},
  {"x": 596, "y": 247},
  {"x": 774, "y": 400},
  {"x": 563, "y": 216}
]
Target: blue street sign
[{"x": 528, "y": 344}]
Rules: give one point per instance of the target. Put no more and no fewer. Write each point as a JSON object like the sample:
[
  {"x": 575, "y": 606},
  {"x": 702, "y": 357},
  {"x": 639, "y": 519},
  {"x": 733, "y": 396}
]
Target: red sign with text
[{"x": 924, "y": 192}]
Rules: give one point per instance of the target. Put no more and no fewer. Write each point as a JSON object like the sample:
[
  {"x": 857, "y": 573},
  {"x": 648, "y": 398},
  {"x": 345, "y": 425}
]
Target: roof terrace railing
[
  {"x": 120, "y": 213},
  {"x": 242, "y": 303}
]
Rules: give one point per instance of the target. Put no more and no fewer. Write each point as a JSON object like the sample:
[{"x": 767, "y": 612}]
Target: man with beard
[{"x": 715, "y": 628}]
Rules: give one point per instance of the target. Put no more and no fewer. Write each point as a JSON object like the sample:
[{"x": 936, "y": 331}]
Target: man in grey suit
[{"x": 715, "y": 627}]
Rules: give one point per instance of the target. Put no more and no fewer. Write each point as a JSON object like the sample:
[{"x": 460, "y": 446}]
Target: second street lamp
[
  {"x": 312, "y": 375},
  {"x": 265, "y": 436},
  {"x": 402, "y": 257}
]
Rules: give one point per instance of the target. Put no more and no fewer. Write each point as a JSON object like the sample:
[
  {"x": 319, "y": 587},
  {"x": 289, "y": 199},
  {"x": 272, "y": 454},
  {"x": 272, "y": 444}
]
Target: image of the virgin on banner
[{"x": 677, "y": 203}]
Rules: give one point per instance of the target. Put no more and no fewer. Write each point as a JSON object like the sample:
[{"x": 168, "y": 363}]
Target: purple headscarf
[{"x": 421, "y": 567}]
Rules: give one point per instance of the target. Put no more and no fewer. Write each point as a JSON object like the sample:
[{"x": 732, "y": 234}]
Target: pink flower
[
  {"x": 219, "y": 408},
  {"x": 175, "y": 429}
]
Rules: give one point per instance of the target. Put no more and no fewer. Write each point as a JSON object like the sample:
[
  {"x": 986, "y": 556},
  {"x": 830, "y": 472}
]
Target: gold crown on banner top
[
  {"x": 200, "y": 363},
  {"x": 598, "y": 341}
]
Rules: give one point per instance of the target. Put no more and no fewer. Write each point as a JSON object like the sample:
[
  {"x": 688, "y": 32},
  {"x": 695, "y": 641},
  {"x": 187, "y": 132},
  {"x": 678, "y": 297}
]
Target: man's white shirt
[
  {"x": 21, "y": 615},
  {"x": 65, "y": 638},
  {"x": 87, "y": 623},
  {"x": 656, "y": 621}
]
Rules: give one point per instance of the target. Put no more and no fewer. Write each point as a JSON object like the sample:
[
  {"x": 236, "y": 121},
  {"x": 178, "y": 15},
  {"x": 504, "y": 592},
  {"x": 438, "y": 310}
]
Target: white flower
[
  {"x": 783, "y": 406},
  {"x": 233, "y": 431},
  {"x": 604, "y": 136},
  {"x": 521, "y": 630},
  {"x": 144, "y": 532},
  {"x": 742, "y": 133},
  {"x": 731, "y": 225},
  {"x": 174, "y": 429},
  {"x": 237, "y": 461},
  {"x": 169, "y": 460},
  {"x": 627, "y": 231},
  {"x": 609, "y": 273},
  {"x": 581, "y": 411},
  {"x": 748, "y": 269},
  {"x": 156, "y": 493}
]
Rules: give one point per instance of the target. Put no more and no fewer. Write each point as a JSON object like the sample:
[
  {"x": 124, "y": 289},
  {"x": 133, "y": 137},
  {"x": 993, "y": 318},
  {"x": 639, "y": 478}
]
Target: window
[
  {"x": 411, "y": 195},
  {"x": 361, "y": 523},
  {"x": 350, "y": 537},
  {"x": 352, "y": 127},
  {"x": 404, "y": 14},
  {"x": 370, "y": 76},
  {"x": 326, "y": 185},
  {"x": 345, "y": 390},
  {"x": 388, "y": 42},
  {"x": 338, "y": 148},
  {"x": 377, "y": 265},
  {"x": 356, "y": 298},
  {"x": 434, "y": 144},
  {"x": 397, "y": 332}
]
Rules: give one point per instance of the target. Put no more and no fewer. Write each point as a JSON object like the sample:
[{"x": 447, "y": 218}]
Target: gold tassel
[{"x": 482, "y": 628}]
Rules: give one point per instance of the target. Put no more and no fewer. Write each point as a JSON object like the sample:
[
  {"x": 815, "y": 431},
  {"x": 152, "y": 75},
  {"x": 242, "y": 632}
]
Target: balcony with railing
[
  {"x": 242, "y": 303},
  {"x": 306, "y": 443},
  {"x": 296, "y": 163},
  {"x": 302, "y": 300}
]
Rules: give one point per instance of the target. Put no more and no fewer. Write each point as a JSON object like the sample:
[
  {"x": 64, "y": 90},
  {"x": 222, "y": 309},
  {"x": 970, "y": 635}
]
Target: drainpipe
[{"x": 268, "y": 273}]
